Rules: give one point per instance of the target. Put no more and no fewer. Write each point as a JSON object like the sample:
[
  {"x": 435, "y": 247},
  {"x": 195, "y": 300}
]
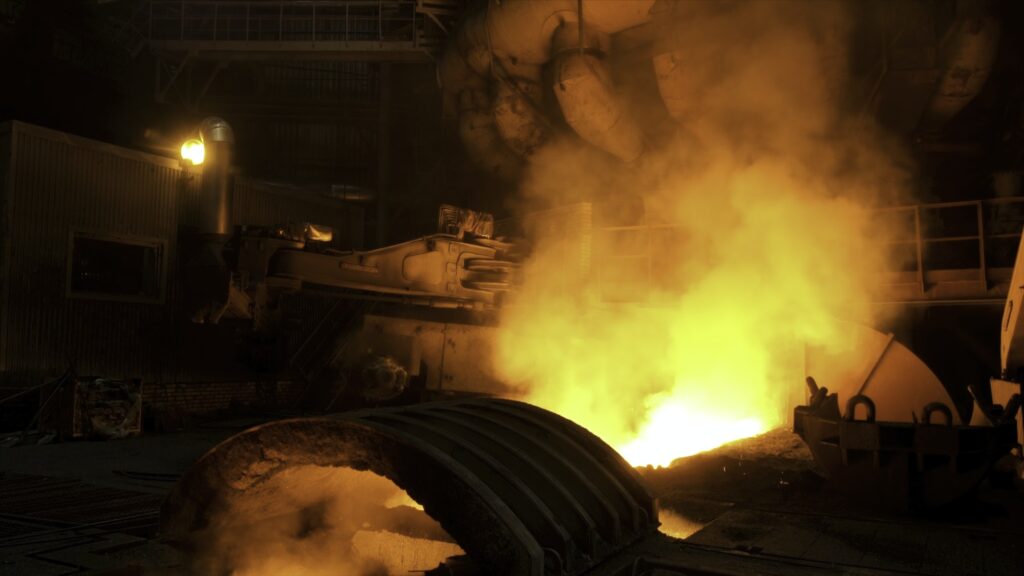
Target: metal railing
[
  {"x": 973, "y": 236},
  {"x": 268, "y": 21},
  {"x": 963, "y": 243},
  {"x": 10, "y": 10}
]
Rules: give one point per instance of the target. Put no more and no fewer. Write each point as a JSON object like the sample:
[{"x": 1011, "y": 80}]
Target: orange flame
[{"x": 765, "y": 185}]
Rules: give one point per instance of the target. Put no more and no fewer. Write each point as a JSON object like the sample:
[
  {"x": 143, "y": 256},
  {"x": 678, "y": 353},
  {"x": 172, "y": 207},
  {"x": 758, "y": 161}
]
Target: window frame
[{"x": 144, "y": 241}]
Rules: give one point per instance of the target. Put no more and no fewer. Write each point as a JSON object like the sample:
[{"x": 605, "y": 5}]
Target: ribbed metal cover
[{"x": 522, "y": 490}]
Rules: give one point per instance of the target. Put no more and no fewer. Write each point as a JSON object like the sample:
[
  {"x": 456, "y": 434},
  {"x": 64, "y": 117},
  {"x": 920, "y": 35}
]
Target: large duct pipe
[
  {"x": 479, "y": 132},
  {"x": 509, "y": 42},
  {"x": 518, "y": 117},
  {"x": 216, "y": 192},
  {"x": 970, "y": 52},
  {"x": 494, "y": 129},
  {"x": 207, "y": 278},
  {"x": 672, "y": 69},
  {"x": 588, "y": 99}
]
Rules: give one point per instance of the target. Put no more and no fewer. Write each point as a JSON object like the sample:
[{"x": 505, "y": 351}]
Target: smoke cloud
[
  {"x": 322, "y": 521},
  {"x": 754, "y": 212}
]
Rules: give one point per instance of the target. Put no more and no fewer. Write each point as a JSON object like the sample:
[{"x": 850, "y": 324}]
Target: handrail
[
  {"x": 262, "y": 21},
  {"x": 986, "y": 214},
  {"x": 982, "y": 237},
  {"x": 10, "y": 10}
]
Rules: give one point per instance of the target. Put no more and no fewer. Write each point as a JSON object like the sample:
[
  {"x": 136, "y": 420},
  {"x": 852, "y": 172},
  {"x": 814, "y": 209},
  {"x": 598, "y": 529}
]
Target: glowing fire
[{"x": 669, "y": 433}]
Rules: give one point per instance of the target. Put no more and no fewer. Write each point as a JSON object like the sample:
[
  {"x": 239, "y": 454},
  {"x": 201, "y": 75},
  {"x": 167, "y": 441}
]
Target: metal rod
[
  {"x": 920, "y": 251},
  {"x": 643, "y": 565},
  {"x": 983, "y": 272},
  {"x": 951, "y": 239},
  {"x": 579, "y": 12},
  {"x": 956, "y": 204},
  {"x": 650, "y": 243},
  {"x": 29, "y": 390},
  {"x": 42, "y": 407}
]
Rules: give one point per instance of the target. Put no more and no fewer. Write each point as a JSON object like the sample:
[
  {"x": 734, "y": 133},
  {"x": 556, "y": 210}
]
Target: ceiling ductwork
[
  {"x": 508, "y": 57},
  {"x": 587, "y": 96},
  {"x": 969, "y": 52},
  {"x": 498, "y": 56}
]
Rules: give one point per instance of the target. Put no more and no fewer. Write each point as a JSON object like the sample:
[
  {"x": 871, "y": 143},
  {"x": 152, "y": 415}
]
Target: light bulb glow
[{"x": 193, "y": 151}]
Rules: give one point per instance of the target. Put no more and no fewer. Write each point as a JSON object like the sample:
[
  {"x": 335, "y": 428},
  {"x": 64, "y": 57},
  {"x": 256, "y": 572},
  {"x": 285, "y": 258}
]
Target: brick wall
[{"x": 196, "y": 398}]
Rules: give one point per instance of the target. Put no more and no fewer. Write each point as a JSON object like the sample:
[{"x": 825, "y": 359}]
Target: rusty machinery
[
  {"x": 462, "y": 266},
  {"x": 910, "y": 448},
  {"x": 242, "y": 272}
]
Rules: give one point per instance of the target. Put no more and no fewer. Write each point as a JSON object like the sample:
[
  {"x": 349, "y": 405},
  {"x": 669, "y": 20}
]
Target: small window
[{"x": 110, "y": 267}]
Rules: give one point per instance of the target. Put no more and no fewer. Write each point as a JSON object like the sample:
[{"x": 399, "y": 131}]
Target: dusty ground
[
  {"x": 757, "y": 498},
  {"x": 765, "y": 497}
]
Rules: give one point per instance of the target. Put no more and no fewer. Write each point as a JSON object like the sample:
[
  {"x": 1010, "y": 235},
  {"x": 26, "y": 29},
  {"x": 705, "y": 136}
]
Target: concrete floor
[{"x": 756, "y": 506}]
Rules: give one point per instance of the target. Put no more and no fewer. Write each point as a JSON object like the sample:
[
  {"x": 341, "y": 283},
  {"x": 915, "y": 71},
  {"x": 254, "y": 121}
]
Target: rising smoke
[{"x": 764, "y": 177}]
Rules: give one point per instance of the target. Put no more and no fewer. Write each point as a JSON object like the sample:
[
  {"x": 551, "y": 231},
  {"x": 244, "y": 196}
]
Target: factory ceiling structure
[{"x": 511, "y": 287}]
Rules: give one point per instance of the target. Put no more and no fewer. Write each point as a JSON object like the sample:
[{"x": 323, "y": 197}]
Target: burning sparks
[{"x": 761, "y": 194}]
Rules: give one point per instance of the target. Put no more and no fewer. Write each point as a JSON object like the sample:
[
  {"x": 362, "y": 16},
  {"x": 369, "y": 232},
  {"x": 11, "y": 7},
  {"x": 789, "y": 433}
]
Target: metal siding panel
[
  {"x": 320, "y": 81},
  {"x": 59, "y": 183},
  {"x": 6, "y": 179},
  {"x": 64, "y": 184}
]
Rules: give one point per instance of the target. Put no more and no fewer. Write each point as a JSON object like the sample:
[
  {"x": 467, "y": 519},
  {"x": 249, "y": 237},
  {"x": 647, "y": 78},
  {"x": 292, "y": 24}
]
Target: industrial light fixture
[{"x": 193, "y": 151}]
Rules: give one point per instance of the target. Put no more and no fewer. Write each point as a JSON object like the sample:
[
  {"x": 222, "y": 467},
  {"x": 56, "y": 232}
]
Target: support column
[{"x": 383, "y": 152}]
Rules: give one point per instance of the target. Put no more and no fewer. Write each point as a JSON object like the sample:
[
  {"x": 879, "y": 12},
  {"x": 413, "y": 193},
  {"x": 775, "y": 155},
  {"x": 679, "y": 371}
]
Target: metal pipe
[
  {"x": 216, "y": 191},
  {"x": 982, "y": 263},
  {"x": 919, "y": 250},
  {"x": 579, "y": 14},
  {"x": 970, "y": 50},
  {"x": 383, "y": 152}
]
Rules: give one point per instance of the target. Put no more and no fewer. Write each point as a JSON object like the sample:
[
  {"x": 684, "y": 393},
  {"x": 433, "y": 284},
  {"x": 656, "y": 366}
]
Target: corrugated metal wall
[
  {"x": 5, "y": 179},
  {"x": 331, "y": 150},
  {"x": 312, "y": 121},
  {"x": 324, "y": 81},
  {"x": 60, "y": 183}
]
